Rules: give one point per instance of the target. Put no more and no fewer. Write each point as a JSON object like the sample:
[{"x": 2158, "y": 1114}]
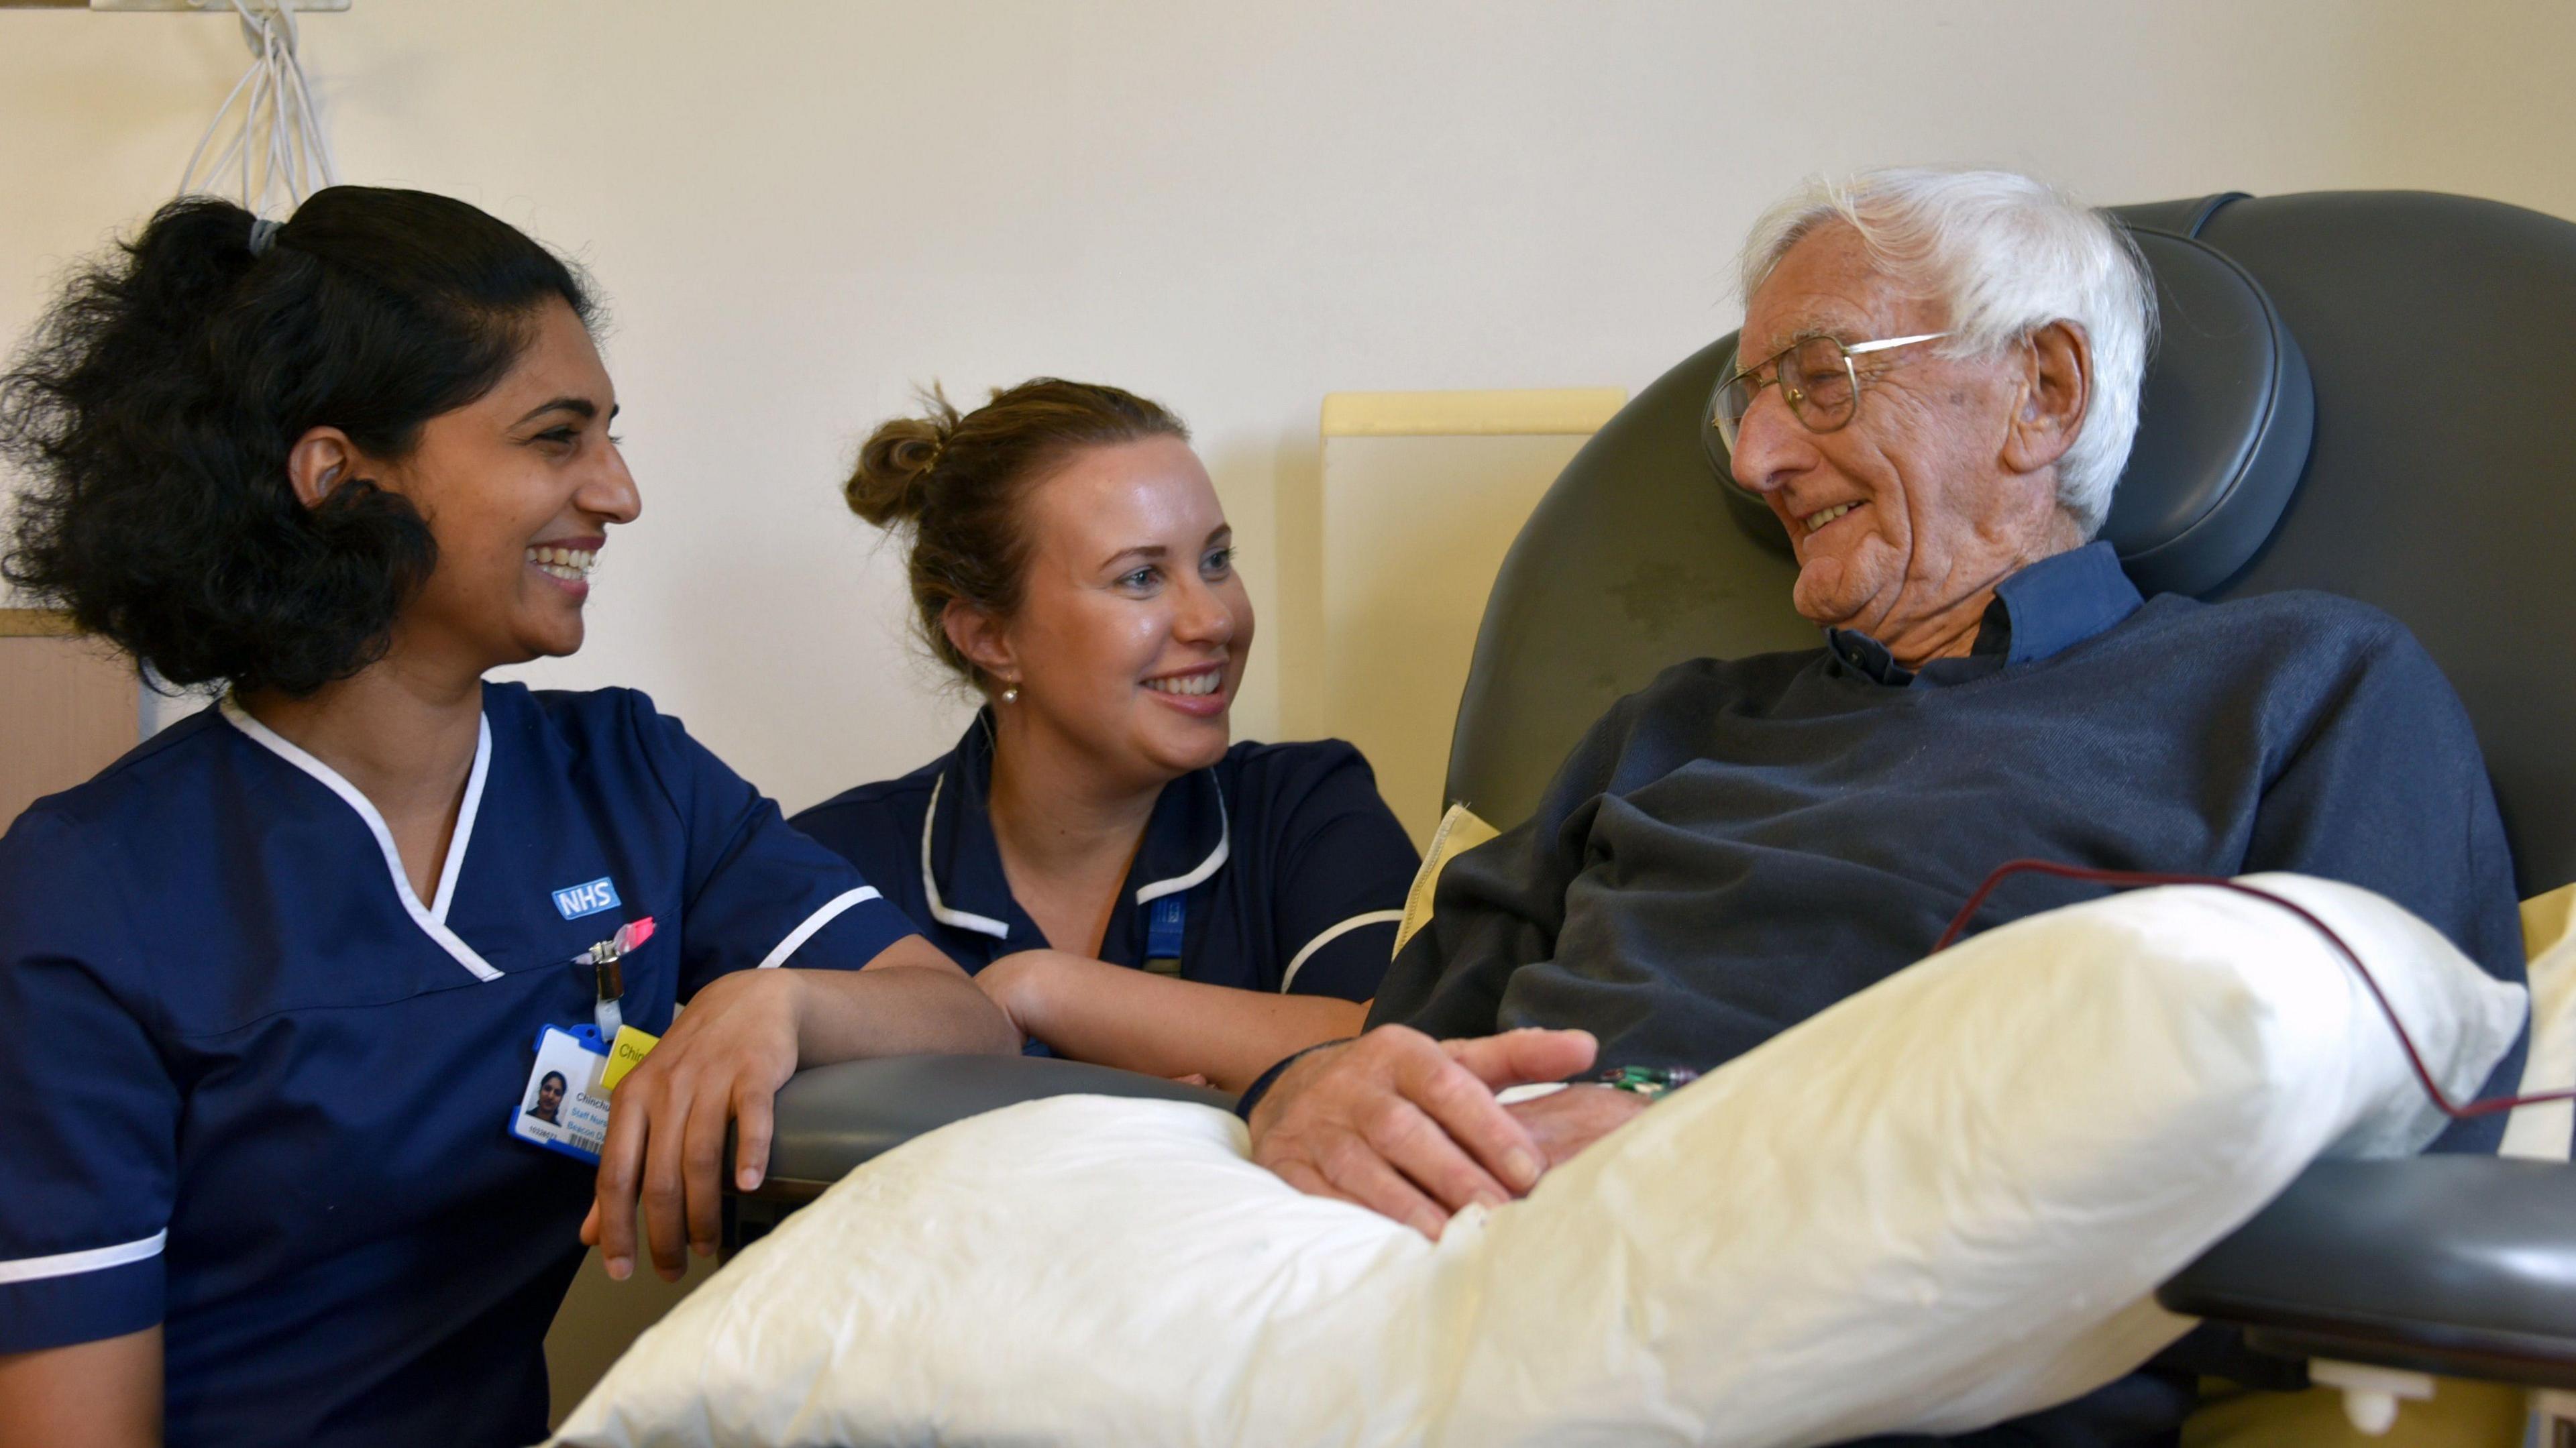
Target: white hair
[{"x": 2007, "y": 255}]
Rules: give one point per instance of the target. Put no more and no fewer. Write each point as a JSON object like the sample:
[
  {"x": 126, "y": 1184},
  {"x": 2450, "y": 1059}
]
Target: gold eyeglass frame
[{"x": 1729, "y": 428}]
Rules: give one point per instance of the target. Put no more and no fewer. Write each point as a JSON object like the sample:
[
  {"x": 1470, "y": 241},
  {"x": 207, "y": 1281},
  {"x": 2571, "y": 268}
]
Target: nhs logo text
[{"x": 576, "y": 901}]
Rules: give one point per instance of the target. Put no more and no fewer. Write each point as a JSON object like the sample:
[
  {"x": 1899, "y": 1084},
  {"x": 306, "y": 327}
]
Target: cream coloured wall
[{"x": 800, "y": 207}]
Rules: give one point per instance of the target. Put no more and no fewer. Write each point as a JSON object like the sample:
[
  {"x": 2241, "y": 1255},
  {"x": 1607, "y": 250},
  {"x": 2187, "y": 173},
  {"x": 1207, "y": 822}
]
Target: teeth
[
  {"x": 1818, "y": 520},
  {"x": 1194, "y": 684},
  {"x": 569, "y": 564}
]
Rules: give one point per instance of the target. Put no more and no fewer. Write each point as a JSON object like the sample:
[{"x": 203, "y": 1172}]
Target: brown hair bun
[{"x": 891, "y": 483}]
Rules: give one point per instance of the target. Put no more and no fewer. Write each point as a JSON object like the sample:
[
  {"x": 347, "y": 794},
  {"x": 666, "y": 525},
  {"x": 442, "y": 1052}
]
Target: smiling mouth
[
  {"x": 1189, "y": 686},
  {"x": 572, "y": 565},
  {"x": 1820, "y": 518}
]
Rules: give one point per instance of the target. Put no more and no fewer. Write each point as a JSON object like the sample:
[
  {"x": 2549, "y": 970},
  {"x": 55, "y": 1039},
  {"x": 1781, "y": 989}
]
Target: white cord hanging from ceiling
[{"x": 279, "y": 153}]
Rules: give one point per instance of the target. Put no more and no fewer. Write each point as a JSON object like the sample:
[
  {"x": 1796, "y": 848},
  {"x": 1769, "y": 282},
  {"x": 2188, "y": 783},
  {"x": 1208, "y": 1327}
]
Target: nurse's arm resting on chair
[
  {"x": 724, "y": 1059},
  {"x": 1092, "y": 1010},
  {"x": 722, "y": 1064}
]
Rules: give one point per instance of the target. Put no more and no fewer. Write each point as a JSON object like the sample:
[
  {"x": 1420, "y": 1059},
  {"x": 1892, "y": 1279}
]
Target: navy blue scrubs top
[
  {"x": 1290, "y": 869},
  {"x": 253, "y": 1089}
]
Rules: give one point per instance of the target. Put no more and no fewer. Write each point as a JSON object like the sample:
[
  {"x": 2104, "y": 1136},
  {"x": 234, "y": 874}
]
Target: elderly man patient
[{"x": 1936, "y": 392}]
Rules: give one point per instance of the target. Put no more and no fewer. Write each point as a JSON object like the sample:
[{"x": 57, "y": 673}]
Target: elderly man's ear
[{"x": 2057, "y": 381}]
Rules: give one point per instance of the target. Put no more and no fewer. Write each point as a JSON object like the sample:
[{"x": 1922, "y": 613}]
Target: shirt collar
[
  {"x": 1187, "y": 839},
  {"x": 961, "y": 865},
  {"x": 2057, "y": 603},
  {"x": 2041, "y": 611}
]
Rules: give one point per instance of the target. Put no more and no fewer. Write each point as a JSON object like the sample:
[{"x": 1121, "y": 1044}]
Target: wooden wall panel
[
  {"x": 1418, "y": 497},
  {"x": 68, "y": 707}
]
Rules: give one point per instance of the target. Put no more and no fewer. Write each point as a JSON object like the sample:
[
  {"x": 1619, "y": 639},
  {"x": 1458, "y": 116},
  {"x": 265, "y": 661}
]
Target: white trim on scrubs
[
  {"x": 432, "y": 919},
  {"x": 1288, "y": 979},
  {"x": 1285, "y": 869}
]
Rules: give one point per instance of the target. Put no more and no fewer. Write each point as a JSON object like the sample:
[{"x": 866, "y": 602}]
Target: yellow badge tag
[{"x": 624, "y": 1054}]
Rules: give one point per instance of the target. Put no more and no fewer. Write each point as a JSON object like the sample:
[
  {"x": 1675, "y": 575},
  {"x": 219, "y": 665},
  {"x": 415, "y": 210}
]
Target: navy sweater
[{"x": 1744, "y": 843}]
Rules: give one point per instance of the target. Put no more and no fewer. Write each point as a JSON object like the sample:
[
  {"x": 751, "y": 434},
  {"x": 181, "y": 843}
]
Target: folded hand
[
  {"x": 722, "y": 1062},
  {"x": 1408, "y": 1126}
]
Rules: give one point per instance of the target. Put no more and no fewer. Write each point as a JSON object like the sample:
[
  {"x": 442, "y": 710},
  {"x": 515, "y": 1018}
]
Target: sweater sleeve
[{"x": 2385, "y": 788}]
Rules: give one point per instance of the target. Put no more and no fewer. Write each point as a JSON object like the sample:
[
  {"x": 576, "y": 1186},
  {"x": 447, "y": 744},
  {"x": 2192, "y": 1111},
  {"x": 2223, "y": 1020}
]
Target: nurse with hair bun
[
  {"x": 1128, "y": 883},
  {"x": 302, "y": 1001}
]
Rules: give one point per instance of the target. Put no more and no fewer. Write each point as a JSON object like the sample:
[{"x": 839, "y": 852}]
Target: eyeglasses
[{"x": 1817, "y": 380}]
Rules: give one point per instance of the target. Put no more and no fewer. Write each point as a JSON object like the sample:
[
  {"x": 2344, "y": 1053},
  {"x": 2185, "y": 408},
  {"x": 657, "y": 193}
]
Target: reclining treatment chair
[{"x": 2366, "y": 393}]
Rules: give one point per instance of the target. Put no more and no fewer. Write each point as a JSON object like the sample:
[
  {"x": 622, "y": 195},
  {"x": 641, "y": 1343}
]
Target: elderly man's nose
[{"x": 1765, "y": 442}]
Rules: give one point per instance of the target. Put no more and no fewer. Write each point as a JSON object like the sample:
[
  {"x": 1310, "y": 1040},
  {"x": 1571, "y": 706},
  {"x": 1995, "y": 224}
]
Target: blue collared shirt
[
  {"x": 2039, "y": 612},
  {"x": 1288, "y": 869}
]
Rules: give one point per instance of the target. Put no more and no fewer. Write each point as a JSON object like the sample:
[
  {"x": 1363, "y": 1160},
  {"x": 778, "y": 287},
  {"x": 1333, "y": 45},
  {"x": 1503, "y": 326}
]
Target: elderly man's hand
[
  {"x": 1408, "y": 1126},
  {"x": 1565, "y": 1122}
]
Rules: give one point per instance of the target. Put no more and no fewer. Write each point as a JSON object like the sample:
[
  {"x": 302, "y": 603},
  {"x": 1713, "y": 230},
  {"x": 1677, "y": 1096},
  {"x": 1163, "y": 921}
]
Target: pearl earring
[{"x": 1011, "y": 695}]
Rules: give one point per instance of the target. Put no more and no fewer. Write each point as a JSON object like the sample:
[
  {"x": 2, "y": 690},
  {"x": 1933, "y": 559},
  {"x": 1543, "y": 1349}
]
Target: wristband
[
  {"x": 1262, "y": 1083},
  {"x": 1650, "y": 1082}
]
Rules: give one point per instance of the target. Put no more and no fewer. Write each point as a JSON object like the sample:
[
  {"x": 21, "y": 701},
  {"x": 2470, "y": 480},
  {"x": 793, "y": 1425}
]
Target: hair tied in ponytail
[{"x": 263, "y": 235}]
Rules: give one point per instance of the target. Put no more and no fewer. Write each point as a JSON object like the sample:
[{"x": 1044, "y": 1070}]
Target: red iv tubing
[{"x": 2131, "y": 879}]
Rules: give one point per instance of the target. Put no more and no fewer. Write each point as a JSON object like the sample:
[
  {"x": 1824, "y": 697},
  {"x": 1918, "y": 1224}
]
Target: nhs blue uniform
[
  {"x": 255, "y": 1090},
  {"x": 1281, "y": 865}
]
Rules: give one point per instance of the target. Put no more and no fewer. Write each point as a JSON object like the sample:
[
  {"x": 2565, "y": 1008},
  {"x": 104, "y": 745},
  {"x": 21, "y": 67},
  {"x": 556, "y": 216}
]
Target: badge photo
[{"x": 564, "y": 1107}]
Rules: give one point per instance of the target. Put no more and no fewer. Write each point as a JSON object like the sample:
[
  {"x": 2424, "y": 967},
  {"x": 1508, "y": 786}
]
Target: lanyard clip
[
  {"x": 1165, "y": 927},
  {"x": 610, "y": 977}
]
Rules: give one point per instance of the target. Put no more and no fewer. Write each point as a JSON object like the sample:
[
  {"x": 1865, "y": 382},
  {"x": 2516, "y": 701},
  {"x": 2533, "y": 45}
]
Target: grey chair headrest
[{"x": 2224, "y": 424}]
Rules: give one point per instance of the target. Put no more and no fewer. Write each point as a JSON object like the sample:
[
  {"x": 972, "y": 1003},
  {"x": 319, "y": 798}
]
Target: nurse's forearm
[
  {"x": 104, "y": 1394},
  {"x": 912, "y": 1000},
  {"x": 1118, "y": 1016}
]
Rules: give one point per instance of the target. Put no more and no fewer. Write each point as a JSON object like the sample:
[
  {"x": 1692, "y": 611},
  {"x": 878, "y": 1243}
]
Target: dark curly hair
[{"x": 154, "y": 407}]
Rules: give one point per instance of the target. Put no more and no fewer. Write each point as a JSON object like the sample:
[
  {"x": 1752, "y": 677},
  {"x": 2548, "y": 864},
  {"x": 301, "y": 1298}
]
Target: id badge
[{"x": 565, "y": 1108}]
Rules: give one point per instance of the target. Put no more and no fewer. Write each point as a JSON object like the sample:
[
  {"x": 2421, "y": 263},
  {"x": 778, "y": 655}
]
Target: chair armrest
[
  {"x": 832, "y": 1118},
  {"x": 2458, "y": 1265}
]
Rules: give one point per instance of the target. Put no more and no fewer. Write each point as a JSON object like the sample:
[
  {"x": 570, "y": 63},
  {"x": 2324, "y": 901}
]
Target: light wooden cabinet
[{"x": 1385, "y": 565}]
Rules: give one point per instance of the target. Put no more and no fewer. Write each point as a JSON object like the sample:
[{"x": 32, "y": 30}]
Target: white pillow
[{"x": 1941, "y": 1203}]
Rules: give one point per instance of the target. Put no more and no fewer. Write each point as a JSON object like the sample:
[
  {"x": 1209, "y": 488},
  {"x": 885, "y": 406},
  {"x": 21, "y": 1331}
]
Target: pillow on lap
[{"x": 1939, "y": 1204}]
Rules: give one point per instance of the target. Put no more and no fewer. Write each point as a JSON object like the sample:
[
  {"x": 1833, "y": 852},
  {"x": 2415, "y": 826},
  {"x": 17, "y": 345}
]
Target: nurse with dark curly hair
[{"x": 275, "y": 987}]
